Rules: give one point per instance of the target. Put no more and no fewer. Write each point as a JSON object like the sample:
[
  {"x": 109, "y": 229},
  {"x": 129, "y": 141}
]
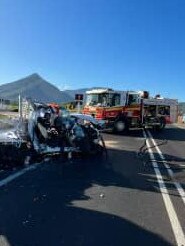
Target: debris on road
[
  {"x": 25, "y": 222},
  {"x": 35, "y": 199},
  {"x": 102, "y": 195}
]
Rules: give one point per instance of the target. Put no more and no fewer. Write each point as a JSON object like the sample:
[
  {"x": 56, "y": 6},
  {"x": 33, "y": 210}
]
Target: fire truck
[{"x": 122, "y": 110}]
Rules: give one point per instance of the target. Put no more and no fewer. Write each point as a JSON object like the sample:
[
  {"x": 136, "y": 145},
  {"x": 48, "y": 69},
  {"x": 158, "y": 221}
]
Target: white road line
[
  {"x": 169, "y": 170},
  {"x": 175, "y": 224},
  {"x": 17, "y": 174}
]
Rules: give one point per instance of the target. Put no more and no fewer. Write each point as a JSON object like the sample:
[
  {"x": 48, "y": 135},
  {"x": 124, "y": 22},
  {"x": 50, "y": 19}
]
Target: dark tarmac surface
[{"x": 96, "y": 201}]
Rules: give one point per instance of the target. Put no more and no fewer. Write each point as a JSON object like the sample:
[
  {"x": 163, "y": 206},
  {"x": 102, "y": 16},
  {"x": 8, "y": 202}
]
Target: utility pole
[{"x": 20, "y": 107}]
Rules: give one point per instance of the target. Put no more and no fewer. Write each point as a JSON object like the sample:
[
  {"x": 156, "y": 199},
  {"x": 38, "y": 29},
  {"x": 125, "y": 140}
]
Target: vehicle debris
[
  {"x": 47, "y": 132},
  {"x": 25, "y": 222},
  {"x": 35, "y": 199},
  {"x": 102, "y": 195}
]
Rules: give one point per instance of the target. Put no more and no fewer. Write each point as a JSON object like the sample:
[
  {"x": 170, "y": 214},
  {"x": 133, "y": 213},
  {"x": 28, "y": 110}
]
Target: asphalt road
[{"x": 120, "y": 199}]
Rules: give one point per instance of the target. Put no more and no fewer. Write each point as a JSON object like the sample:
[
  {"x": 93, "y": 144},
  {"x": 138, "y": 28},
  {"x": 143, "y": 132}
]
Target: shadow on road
[
  {"x": 44, "y": 209},
  {"x": 169, "y": 133},
  {"x": 173, "y": 134}
]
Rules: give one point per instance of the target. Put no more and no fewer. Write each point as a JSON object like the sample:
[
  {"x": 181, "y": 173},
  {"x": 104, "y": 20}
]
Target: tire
[
  {"x": 162, "y": 125},
  {"x": 120, "y": 126}
]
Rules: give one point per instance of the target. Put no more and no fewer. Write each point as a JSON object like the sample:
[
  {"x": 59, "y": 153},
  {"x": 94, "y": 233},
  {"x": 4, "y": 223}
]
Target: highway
[{"x": 133, "y": 196}]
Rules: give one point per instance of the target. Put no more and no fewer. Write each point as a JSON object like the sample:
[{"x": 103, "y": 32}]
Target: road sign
[{"x": 78, "y": 97}]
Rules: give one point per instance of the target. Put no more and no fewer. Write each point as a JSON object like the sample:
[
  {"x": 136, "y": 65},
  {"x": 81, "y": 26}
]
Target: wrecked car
[{"x": 47, "y": 132}]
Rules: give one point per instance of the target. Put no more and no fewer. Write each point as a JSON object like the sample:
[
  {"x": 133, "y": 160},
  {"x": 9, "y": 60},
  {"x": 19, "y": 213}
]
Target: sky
[{"x": 122, "y": 44}]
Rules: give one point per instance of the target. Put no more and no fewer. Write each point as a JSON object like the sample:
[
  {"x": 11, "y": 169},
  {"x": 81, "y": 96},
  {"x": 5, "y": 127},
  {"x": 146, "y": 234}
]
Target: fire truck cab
[{"x": 122, "y": 110}]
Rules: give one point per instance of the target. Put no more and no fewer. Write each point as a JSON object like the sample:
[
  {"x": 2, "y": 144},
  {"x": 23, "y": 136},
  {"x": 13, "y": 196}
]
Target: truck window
[
  {"x": 132, "y": 99},
  {"x": 164, "y": 110},
  {"x": 116, "y": 99},
  {"x": 92, "y": 99}
]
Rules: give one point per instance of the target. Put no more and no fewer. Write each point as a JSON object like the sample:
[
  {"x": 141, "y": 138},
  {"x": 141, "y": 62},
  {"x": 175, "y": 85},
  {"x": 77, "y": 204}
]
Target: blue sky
[{"x": 124, "y": 44}]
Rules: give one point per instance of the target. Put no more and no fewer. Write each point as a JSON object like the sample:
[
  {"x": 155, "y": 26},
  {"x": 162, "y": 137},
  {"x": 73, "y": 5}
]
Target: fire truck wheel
[
  {"x": 162, "y": 124},
  {"x": 120, "y": 126}
]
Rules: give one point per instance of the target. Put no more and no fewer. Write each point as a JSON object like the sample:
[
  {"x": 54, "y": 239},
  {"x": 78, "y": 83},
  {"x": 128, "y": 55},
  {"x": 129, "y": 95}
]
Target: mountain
[
  {"x": 34, "y": 87},
  {"x": 72, "y": 93},
  {"x": 37, "y": 88}
]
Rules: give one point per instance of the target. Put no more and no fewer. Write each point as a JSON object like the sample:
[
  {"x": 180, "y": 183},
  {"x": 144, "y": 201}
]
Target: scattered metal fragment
[
  {"x": 35, "y": 199},
  {"x": 25, "y": 222},
  {"x": 102, "y": 195}
]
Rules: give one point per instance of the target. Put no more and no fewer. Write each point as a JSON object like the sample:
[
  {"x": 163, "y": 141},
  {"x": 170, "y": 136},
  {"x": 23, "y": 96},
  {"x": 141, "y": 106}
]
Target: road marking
[
  {"x": 169, "y": 170},
  {"x": 4, "y": 241},
  {"x": 175, "y": 224},
  {"x": 17, "y": 174}
]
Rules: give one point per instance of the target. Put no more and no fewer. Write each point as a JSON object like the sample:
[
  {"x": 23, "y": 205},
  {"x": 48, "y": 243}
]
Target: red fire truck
[{"x": 122, "y": 110}]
